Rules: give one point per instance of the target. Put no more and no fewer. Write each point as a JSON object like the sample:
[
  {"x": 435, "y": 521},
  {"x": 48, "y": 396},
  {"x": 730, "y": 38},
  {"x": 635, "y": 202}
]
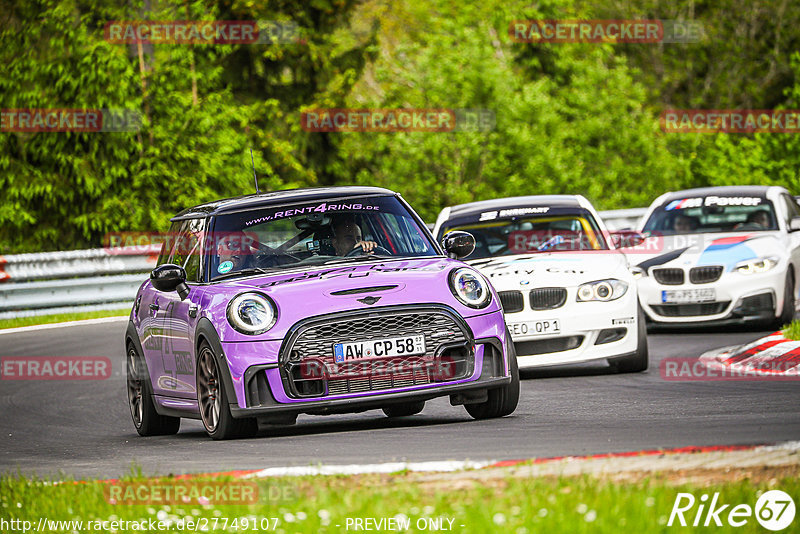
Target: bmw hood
[
  {"x": 695, "y": 250},
  {"x": 552, "y": 269}
]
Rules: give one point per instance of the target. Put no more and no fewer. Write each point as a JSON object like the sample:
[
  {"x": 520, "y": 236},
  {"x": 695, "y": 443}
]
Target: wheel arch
[{"x": 205, "y": 331}]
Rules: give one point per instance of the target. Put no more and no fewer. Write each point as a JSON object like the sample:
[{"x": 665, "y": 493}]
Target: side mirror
[
  {"x": 627, "y": 239},
  {"x": 794, "y": 224},
  {"x": 458, "y": 244},
  {"x": 170, "y": 277}
]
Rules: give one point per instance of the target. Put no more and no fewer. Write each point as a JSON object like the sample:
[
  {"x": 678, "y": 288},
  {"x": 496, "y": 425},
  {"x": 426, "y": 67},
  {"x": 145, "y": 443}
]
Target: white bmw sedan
[
  {"x": 568, "y": 294},
  {"x": 720, "y": 255}
]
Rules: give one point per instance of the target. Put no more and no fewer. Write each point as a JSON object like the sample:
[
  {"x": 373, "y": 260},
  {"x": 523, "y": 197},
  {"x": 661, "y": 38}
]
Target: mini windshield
[
  {"x": 712, "y": 214},
  {"x": 559, "y": 230},
  {"x": 314, "y": 233}
]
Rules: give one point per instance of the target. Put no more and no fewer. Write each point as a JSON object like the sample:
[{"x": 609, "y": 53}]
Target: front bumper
[
  {"x": 589, "y": 331},
  {"x": 264, "y": 385},
  {"x": 739, "y": 299}
]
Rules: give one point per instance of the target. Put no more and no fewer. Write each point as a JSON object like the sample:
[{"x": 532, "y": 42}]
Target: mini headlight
[
  {"x": 251, "y": 313},
  {"x": 602, "y": 290},
  {"x": 758, "y": 265},
  {"x": 470, "y": 288}
]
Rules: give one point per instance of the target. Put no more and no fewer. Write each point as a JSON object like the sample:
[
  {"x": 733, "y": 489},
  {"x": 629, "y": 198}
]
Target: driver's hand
[{"x": 366, "y": 246}]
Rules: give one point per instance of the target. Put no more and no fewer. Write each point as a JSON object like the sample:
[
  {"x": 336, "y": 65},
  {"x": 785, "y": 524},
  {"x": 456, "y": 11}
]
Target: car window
[
  {"x": 557, "y": 230},
  {"x": 712, "y": 214},
  {"x": 168, "y": 243},
  {"x": 187, "y": 251},
  {"x": 792, "y": 209},
  {"x": 317, "y": 232}
]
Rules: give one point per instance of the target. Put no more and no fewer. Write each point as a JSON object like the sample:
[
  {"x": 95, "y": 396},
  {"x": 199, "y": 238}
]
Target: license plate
[
  {"x": 535, "y": 328},
  {"x": 688, "y": 296},
  {"x": 379, "y": 348}
]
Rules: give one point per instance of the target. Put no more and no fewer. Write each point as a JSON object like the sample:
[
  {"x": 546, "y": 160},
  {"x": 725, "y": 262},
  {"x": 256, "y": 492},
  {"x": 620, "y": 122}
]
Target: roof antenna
[{"x": 255, "y": 178}]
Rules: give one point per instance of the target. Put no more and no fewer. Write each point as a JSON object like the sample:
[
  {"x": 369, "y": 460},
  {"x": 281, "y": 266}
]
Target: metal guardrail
[{"x": 101, "y": 279}]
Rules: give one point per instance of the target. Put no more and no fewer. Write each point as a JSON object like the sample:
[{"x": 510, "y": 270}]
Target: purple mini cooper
[{"x": 316, "y": 301}]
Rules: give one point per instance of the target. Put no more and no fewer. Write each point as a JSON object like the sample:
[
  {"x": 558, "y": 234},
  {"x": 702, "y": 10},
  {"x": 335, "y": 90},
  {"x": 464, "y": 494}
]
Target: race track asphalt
[{"x": 84, "y": 429}]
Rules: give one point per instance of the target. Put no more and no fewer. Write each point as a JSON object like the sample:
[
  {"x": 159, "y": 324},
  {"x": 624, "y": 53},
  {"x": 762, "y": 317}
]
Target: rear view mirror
[
  {"x": 170, "y": 277},
  {"x": 794, "y": 224},
  {"x": 459, "y": 244},
  {"x": 627, "y": 239}
]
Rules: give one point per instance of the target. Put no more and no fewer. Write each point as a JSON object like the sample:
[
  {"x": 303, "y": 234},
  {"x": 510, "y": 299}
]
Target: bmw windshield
[
  {"x": 314, "y": 233},
  {"x": 557, "y": 230},
  {"x": 712, "y": 214}
]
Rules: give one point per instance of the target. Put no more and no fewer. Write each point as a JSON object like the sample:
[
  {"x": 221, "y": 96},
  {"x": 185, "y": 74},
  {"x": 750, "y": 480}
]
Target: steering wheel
[
  {"x": 358, "y": 250},
  {"x": 274, "y": 252}
]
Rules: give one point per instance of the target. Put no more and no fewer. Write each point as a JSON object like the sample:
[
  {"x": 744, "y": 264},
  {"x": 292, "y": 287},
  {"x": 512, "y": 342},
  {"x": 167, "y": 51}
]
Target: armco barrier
[{"x": 97, "y": 279}]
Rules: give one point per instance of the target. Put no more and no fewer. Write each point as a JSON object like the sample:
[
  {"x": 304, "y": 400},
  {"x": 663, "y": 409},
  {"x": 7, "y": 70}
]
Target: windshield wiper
[{"x": 243, "y": 272}]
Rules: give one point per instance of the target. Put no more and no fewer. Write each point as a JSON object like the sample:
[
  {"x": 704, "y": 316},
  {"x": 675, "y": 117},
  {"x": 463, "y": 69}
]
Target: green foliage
[{"x": 570, "y": 118}]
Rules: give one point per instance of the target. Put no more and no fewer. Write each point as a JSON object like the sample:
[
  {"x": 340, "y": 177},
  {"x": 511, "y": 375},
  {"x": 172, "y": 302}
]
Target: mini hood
[{"x": 300, "y": 294}]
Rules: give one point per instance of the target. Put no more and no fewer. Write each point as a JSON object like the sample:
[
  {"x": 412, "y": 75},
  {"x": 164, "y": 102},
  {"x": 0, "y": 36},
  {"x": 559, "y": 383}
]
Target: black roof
[
  {"x": 272, "y": 198},
  {"x": 726, "y": 191},
  {"x": 553, "y": 201}
]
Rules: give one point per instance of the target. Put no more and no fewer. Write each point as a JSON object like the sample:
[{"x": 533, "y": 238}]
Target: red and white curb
[
  {"x": 772, "y": 356},
  {"x": 455, "y": 465}
]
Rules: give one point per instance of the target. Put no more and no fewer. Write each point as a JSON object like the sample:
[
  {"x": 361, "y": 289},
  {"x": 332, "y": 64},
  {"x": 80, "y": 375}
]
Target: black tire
[
  {"x": 787, "y": 314},
  {"x": 212, "y": 400},
  {"x": 404, "y": 410},
  {"x": 140, "y": 399},
  {"x": 502, "y": 401},
  {"x": 640, "y": 360}
]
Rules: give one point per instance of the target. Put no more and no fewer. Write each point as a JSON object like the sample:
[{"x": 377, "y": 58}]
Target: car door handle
[{"x": 154, "y": 307}]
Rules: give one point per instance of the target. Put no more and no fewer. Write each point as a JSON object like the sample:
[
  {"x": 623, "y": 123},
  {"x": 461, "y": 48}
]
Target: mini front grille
[
  {"x": 547, "y": 298},
  {"x": 705, "y": 275},
  {"x": 669, "y": 277},
  {"x": 690, "y": 310},
  {"x": 512, "y": 301},
  {"x": 309, "y": 369}
]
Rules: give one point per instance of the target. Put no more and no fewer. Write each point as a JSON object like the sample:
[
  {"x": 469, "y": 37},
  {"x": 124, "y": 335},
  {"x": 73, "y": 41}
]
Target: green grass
[
  {"x": 324, "y": 504},
  {"x": 792, "y": 331},
  {"x": 61, "y": 317}
]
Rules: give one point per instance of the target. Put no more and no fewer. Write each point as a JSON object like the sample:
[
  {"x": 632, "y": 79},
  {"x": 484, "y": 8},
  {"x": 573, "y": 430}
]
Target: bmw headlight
[
  {"x": 602, "y": 290},
  {"x": 251, "y": 313},
  {"x": 470, "y": 288},
  {"x": 758, "y": 265}
]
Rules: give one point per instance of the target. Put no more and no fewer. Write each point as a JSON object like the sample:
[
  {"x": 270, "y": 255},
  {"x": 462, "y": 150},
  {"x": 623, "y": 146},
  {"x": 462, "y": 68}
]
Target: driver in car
[{"x": 347, "y": 236}]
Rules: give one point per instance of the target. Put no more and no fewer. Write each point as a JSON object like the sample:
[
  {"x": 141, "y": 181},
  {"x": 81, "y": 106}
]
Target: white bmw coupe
[
  {"x": 568, "y": 294},
  {"x": 720, "y": 255}
]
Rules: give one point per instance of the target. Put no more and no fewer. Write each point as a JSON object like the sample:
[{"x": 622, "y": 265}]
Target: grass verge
[
  {"x": 61, "y": 318},
  {"x": 792, "y": 331},
  {"x": 335, "y": 503}
]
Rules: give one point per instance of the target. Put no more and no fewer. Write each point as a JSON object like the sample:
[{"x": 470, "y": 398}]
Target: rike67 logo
[{"x": 774, "y": 510}]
